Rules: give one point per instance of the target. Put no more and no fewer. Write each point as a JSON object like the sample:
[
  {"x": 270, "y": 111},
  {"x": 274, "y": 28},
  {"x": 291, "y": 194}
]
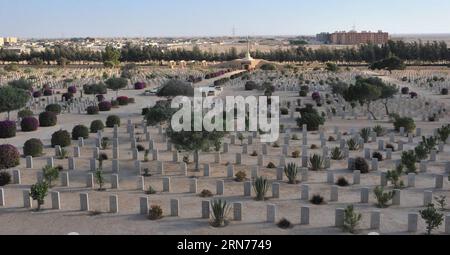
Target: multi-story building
[
  {"x": 324, "y": 37},
  {"x": 353, "y": 37},
  {"x": 10, "y": 40},
  {"x": 1, "y": 41}
]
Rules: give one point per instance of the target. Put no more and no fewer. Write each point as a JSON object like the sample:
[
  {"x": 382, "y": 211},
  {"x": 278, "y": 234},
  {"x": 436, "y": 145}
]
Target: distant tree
[
  {"x": 12, "y": 99},
  {"x": 21, "y": 84},
  {"x": 116, "y": 84},
  {"x": 332, "y": 67},
  {"x": 174, "y": 88},
  {"x": 111, "y": 57},
  {"x": 390, "y": 64},
  {"x": 159, "y": 114},
  {"x": 364, "y": 93},
  {"x": 38, "y": 192}
]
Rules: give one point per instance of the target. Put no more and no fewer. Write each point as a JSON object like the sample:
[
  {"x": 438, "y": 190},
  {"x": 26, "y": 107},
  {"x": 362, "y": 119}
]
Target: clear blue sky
[{"x": 109, "y": 18}]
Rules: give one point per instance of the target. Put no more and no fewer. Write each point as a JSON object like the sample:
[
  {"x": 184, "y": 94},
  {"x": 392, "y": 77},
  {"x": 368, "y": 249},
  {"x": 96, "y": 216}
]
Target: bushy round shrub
[
  {"x": 29, "y": 124},
  {"x": 312, "y": 120},
  {"x": 92, "y": 110},
  {"x": 407, "y": 123},
  {"x": 361, "y": 165},
  {"x": 112, "y": 120},
  {"x": 405, "y": 90},
  {"x": 47, "y": 119},
  {"x": 115, "y": 103},
  {"x": 48, "y": 92},
  {"x": 444, "y": 91},
  {"x": 9, "y": 156},
  {"x": 377, "y": 155},
  {"x": 56, "y": 108},
  {"x": 61, "y": 138},
  {"x": 131, "y": 100},
  {"x": 250, "y": 85},
  {"x": 315, "y": 96},
  {"x": 7, "y": 129},
  {"x": 100, "y": 98},
  {"x": 139, "y": 85},
  {"x": 413, "y": 95},
  {"x": 33, "y": 147},
  {"x": 303, "y": 93},
  {"x": 37, "y": 94},
  {"x": 104, "y": 106},
  {"x": 96, "y": 125},
  {"x": 284, "y": 111},
  {"x": 80, "y": 131},
  {"x": 145, "y": 111},
  {"x": 67, "y": 96},
  {"x": 25, "y": 113},
  {"x": 5, "y": 178},
  {"x": 123, "y": 100},
  {"x": 72, "y": 90}
]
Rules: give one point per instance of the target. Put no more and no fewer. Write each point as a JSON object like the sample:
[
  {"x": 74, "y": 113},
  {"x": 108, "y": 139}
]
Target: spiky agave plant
[
  {"x": 316, "y": 162},
  {"x": 219, "y": 213},
  {"x": 261, "y": 185},
  {"x": 336, "y": 154},
  {"x": 291, "y": 172},
  {"x": 353, "y": 144},
  {"x": 379, "y": 130},
  {"x": 365, "y": 134}
]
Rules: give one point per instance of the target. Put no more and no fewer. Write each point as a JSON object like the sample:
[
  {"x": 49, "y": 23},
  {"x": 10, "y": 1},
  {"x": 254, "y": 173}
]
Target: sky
[{"x": 177, "y": 18}]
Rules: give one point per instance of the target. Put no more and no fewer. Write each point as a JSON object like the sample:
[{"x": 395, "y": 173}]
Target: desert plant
[
  {"x": 50, "y": 174},
  {"x": 291, "y": 172},
  {"x": 407, "y": 123},
  {"x": 155, "y": 212},
  {"x": 61, "y": 138},
  {"x": 317, "y": 200},
  {"x": 393, "y": 176},
  {"x": 33, "y": 147},
  {"x": 206, "y": 193},
  {"x": 284, "y": 224},
  {"x": 100, "y": 179},
  {"x": 261, "y": 186},
  {"x": 96, "y": 125},
  {"x": 62, "y": 153},
  {"x": 316, "y": 162},
  {"x": 271, "y": 165},
  {"x": 379, "y": 130},
  {"x": 331, "y": 139},
  {"x": 47, "y": 119},
  {"x": 9, "y": 156},
  {"x": 336, "y": 154},
  {"x": 25, "y": 113},
  {"x": 296, "y": 154},
  {"x": 441, "y": 201},
  {"x": 241, "y": 138},
  {"x": 240, "y": 176},
  {"x": 38, "y": 192},
  {"x": 314, "y": 147},
  {"x": 421, "y": 152},
  {"x": 351, "y": 219},
  {"x": 150, "y": 191},
  {"x": 146, "y": 172},
  {"x": 382, "y": 197},
  {"x": 444, "y": 133},
  {"x": 409, "y": 160},
  {"x": 312, "y": 119},
  {"x": 104, "y": 106},
  {"x": 295, "y": 137},
  {"x": 377, "y": 155},
  {"x": 430, "y": 143},
  {"x": 112, "y": 120},
  {"x": 365, "y": 134},
  {"x": 220, "y": 210},
  {"x": 353, "y": 144},
  {"x": 342, "y": 182},
  {"x": 92, "y": 110},
  {"x": 5, "y": 178},
  {"x": 29, "y": 124},
  {"x": 432, "y": 218},
  {"x": 254, "y": 154},
  {"x": 104, "y": 144},
  {"x": 361, "y": 165},
  {"x": 390, "y": 146}
]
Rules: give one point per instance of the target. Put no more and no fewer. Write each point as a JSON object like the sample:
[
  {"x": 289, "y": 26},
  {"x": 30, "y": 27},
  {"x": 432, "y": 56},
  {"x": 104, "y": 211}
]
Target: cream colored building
[
  {"x": 1, "y": 41},
  {"x": 10, "y": 40}
]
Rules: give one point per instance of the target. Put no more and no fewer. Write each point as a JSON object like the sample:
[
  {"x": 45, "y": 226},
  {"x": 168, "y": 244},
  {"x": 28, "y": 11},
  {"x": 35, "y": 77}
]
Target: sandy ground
[{"x": 14, "y": 219}]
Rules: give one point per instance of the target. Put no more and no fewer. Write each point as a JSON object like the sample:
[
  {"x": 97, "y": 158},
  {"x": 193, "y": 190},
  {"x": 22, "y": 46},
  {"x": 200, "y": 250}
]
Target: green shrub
[
  {"x": 47, "y": 119},
  {"x": 312, "y": 120},
  {"x": 365, "y": 134},
  {"x": 316, "y": 162},
  {"x": 96, "y": 125},
  {"x": 61, "y": 138},
  {"x": 92, "y": 110},
  {"x": 382, "y": 197},
  {"x": 353, "y": 144},
  {"x": 407, "y": 123},
  {"x": 25, "y": 113},
  {"x": 9, "y": 156},
  {"x": 351, "y": 219},
  {"x": 317, "y": 200},
  {"x": 112, "y": 120},
  {"x": 379, "y": 130},
  {"x": 336, "y": 154},
  {"x": 155, "y": 212},
  {"x": 5, "y": 178},
  {"x": 206, "y": 193},
  {"x": 303, "y": 93},
  {"x": 80, "y": 131},
  {"x": 38, "y": 192},
  {"x": 56, "y": 108},
  {"x": 50, "y": 174},
  {"x": 432, "y": 218},
  {"x": 240, "y": 176},
  {"x": 377, "y": 155},
  {"x": 361, "y": 165},
  {"x": 342, "y": 182},
  {"x": 33, "y": 147},
  {"x": 409, "y": 160}
]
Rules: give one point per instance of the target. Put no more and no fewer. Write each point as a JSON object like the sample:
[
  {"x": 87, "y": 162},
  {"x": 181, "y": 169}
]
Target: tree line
[{"x": 409, "y": 51}]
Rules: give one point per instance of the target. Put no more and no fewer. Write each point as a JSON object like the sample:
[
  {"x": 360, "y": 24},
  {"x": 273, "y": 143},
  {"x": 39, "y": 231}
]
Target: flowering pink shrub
[
  {"x": 9, "y": 156},
  {"x": 123, "y": 100},
  {"x": 100, "y": 98},
  {"x": 139, "y": 85},
  {"x": 37, "y": 94},
  {"x": 7, "y": 129},
  {"x": 48, "y": 92},
  {"x": 29, "y": 124},
  {"x": 72, "y": 89},
  {"x": 104, "y": 106}
]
